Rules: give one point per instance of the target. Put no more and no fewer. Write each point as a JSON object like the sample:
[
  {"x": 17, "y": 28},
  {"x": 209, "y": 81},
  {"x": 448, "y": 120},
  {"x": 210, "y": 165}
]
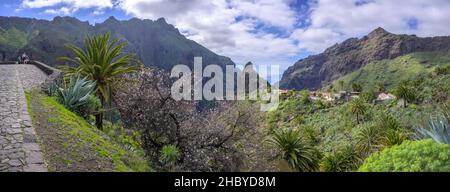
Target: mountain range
[
  {"x": 156, "y": 43},
  {"x": 317, "y": 71},
  {"x": 159, "y": 44}
]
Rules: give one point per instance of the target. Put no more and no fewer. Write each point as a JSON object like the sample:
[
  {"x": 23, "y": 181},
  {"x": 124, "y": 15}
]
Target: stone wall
[{"x": 54, "y": 75}]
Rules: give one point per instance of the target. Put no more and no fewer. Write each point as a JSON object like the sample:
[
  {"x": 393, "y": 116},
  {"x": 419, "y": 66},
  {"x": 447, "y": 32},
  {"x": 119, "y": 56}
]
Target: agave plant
[
  {"x": 299, "y": 155},
  {"x": 438, "y": 129},
  {"x": 77, "y": 93},
  {"x": 53, "y": 89}
]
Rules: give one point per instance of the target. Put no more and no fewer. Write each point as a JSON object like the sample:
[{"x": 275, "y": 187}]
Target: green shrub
[
  {"x": 357, "y": 87},
  {"x": 311, "y": 134},
  {"x": 342, "y": 161},
  {"x": 129, "y": 139},
  {"x": 92, "y": 105},
  {"x": 444, "y": 70},
  {"x": 368, "y": 96},
  {"x": 411, "y": 156},
  {"x": 446, "y": 111},
  {"x": 169, "y": 155},
  {"x": 319, "y": 104},
  {"x": 304, "y": 97}
]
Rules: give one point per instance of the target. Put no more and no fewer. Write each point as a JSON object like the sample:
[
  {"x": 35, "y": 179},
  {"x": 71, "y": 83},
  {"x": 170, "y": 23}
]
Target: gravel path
[{"x": 19, "y": 150}]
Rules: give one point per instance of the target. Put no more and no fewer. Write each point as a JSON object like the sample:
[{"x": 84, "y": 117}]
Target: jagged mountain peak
[
  {"x": 317, "y": 71},
  {"x": 68, "y": 20},
  {"x": 161, "y": 20},
  {"x": 378, "y": 32},
  {"x": 111, "y": 19}
]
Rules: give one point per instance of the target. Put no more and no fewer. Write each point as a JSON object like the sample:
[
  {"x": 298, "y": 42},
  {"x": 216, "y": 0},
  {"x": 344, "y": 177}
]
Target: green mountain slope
[
  {"x": 156, "y": 43},
  {"x": 392, "y": 72}
]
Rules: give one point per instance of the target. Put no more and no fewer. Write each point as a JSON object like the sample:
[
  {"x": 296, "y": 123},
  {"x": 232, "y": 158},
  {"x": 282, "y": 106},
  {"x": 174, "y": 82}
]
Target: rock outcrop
[{"x": 318, "y": 70}]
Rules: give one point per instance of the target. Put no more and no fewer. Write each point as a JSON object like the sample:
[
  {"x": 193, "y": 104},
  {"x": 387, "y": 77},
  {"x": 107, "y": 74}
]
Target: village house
[
  {"x": 346, "y": 96},
  {"x": 384, "y": 98},
  {"x": 324, "y": 96}
]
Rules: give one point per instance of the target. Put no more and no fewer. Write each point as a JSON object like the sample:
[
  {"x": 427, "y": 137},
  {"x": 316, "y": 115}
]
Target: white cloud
[
  {"x": 67, "y": 6},
  {"x": 215, "y": 24},
  {"x": 244, "y": 29},
  {"x": 315, "y": 39},
  {"x": 333, "y": 21},
  {"x": 273, "y": 12},
  {"x": 61, "y": 11}
]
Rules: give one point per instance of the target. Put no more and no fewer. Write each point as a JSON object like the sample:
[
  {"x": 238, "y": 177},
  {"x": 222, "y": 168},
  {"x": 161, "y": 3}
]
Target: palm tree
[
  {"x": 102, "y": 61},
  {"x": 405, "y": 93},
  {"x": 358, "y": 107},
  {"x": 299, "y": 155}
]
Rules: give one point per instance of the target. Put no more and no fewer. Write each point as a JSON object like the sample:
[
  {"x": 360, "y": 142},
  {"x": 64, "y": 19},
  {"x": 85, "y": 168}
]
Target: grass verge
[{"x": 70, "y": 144}]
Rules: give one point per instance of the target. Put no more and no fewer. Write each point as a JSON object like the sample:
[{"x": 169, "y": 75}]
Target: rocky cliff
[{"x": 319, "y": 70}]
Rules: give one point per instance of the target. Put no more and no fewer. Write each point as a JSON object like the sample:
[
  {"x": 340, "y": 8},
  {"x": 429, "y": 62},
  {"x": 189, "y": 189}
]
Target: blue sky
[{"x": 266, "y": 32}]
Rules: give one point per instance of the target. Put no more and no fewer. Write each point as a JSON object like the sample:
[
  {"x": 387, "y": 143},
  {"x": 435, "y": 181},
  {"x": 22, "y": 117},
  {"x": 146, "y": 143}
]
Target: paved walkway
[{"x": 19, "y": 150}]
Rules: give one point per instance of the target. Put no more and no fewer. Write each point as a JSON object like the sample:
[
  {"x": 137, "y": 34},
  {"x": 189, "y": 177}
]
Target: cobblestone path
[{"x": 19, "y": 150}]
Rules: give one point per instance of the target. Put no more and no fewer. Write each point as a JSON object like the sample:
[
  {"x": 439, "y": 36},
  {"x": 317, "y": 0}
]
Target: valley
[{"x": 379, "y": 103}]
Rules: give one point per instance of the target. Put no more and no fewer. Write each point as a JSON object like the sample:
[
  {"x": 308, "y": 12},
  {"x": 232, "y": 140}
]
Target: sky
[{"x": 266, "y": 32}]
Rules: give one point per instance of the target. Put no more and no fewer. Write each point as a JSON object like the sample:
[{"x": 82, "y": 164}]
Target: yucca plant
[
  {"x": 438, "y": 129},
  {"x": 357, "y": 87},
  {"x": 299, "y": 155},
  {"x": 387, "y": 121},
  {"x": 368, "y": 139},
  {"x": 77, "y": 93},
  {"x": 53, "y": 89},
  {"x": 169, "y": 155},
  {"x": 393, "y": 134},
  {"x": 394, "y": 137},
  {"x": 343, "y": 160}
]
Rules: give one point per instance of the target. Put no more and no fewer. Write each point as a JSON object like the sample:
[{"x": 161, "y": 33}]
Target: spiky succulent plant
[{"x": 438, "y": 129}]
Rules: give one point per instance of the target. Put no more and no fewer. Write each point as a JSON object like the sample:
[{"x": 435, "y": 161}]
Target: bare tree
[{"x": 208, "y": 140}]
